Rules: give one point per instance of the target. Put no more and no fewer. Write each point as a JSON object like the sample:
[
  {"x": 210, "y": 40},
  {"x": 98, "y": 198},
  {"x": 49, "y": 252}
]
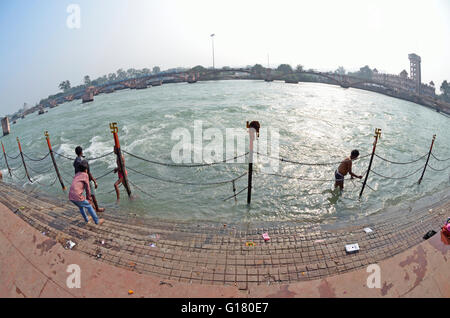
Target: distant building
[
  {"x": 411, "y": 84},
  {"x": 404, "y": 74},
  {"x": 415, "y": 71}
]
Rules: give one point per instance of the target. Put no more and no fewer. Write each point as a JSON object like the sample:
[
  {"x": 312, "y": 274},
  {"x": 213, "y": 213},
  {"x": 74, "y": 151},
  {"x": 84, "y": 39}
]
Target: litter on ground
[
  {"x": 70, "y": 244},
  {"x": 352, "y": 248}
]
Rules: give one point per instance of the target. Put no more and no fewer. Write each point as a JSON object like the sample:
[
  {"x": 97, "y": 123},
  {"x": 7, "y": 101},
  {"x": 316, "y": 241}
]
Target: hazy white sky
[{"x": 38, "y": 50}]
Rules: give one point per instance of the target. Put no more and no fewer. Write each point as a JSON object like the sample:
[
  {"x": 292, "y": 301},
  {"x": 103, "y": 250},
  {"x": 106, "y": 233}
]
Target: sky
[{"x": 38, "y": 50}]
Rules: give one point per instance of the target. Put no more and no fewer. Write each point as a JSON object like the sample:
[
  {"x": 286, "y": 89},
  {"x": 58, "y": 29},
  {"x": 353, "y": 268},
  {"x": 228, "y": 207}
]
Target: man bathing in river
[
  {"x": 120, "y": 173},
  {"x": 92, "y": 182},
  {"x": 344, "y": 168},
  {"x": 80, "y": 184}
]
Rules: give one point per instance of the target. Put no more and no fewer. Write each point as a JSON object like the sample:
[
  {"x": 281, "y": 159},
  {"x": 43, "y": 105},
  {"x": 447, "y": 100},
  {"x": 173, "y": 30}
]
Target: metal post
[
  {"x": 54, "y": 161},
  {"x": 6, "y": 160},
  {"x": 23, "y": 161},
  {"x": 429, "y": 154},
  {"x": 252, "y": 134},
  {"x": 377, "y": 136},
  {"x": 115, "y": 131},
  {"x": 212, "y": 37}
]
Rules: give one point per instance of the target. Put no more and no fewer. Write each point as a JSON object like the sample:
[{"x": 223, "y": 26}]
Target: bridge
[
  {"x": 201, "y": 74},
  {"x": 193, "y": 76}
]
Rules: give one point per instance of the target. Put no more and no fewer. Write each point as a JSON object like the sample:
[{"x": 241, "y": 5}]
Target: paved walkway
[{"x": 162, "y": 259}]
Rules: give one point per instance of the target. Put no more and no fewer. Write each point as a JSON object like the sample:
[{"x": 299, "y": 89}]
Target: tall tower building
[{"x": 415, "y": 71}]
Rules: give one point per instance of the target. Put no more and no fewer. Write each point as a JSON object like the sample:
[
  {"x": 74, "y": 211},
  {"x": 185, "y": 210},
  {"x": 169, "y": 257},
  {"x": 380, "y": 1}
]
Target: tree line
[{"x": 119, "y": 75}]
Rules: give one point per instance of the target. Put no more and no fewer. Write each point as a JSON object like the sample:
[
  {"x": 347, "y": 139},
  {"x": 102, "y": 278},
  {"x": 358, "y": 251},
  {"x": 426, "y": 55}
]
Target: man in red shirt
[{"x": 80, "y": 184}]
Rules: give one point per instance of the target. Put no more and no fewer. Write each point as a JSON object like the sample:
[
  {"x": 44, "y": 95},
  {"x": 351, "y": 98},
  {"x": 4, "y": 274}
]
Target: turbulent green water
[{"x": 317, "y": 123}]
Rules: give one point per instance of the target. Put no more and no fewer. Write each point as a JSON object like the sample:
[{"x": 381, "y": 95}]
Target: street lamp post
[{"x": 212, "y": 38}]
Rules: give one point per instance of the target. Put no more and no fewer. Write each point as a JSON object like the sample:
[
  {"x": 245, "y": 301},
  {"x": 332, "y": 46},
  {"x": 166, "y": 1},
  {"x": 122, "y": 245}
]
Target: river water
[{"x": 317, "y": 123}]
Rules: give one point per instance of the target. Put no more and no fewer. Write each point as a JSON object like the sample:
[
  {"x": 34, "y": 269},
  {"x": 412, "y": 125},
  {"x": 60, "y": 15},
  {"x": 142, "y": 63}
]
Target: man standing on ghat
[
  {"x": 80, "y": 184},
  {"x": 92, "y": 182}
]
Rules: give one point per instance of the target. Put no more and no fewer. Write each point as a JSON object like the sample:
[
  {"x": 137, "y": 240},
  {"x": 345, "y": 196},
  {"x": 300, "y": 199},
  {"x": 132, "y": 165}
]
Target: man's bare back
[{"x": 345, "y": 166}]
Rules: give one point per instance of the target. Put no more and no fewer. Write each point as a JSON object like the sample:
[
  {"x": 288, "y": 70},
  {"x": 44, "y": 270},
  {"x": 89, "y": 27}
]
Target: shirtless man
[
  {"x": 344, "y": 168},
  {"x": 120, "y": 175}
]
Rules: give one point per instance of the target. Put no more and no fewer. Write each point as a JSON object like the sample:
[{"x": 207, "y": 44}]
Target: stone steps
[{"x": 214, "y": 254}]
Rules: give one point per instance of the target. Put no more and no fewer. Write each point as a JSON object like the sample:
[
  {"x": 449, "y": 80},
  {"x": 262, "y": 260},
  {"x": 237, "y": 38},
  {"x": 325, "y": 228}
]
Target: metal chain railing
[
  {"x": 437, "y": 170},
  {"x": 139, "y": 188},
  {"x": 235, "y": 195},
  {"x": 47, "y": 185},
  {"x": 91, "y": 159},
  {"x": 13, "y": 158},
  {"x": 281, "y": 159},
  {"x": 40, "y": 172},
  {"x": 187, "y": 183},
  {"x": 432, "y": 154},
  {"x": 397, "y": 178},
  {"x": 184, "y": 165},
  {"x": 32, "y": 159},
  {"x": 402, "y": 163}
]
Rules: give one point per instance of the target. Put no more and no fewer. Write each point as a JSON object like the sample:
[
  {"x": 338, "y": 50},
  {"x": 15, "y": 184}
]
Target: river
[{"x": 317, "y": 123}]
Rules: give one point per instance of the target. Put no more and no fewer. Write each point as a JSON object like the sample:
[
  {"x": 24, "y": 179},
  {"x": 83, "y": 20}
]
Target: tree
[
  {"x": 131, "y": 72},
  {"x": 146, "y": 71},
  {"x": 121, "y": 74},
  {"x": 112, "y": 77},
  {"x": 257, "y": 69},
  {"x": 102, "y": 80},
  {"x": 432, "y": 84},
  {"x": 299, "y": 68},
  {"x": 340, "y": 70},
  {"x": 445, "y": 89},
  {"x": 156, "y": 70},
  {"x": 284, "y": 68},
  {"x": 87, "y": 80},
  {"x": 65, "y": 86},
  {"x": 198, "y": 68}
]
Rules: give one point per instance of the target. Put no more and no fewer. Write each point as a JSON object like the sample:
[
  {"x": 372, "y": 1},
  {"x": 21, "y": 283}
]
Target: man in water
[
  {"x": 344, "y": 168},
  {"x": 80, "y": 184},
  {"x": 120, "y": 173},
  {"x": 92, "y": 182}
]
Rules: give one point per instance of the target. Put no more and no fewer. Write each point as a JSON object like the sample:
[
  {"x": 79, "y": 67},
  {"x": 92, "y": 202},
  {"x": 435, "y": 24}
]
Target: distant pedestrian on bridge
[
  {"x": 92, "y": 182},
  {"x": 80, "y": 184},
  {"x": 344, "y": 168}
]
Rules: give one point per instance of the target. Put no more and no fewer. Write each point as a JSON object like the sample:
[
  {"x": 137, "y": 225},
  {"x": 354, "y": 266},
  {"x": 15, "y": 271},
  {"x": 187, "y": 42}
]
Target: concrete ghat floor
[{"x": 35, "y": 265}]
